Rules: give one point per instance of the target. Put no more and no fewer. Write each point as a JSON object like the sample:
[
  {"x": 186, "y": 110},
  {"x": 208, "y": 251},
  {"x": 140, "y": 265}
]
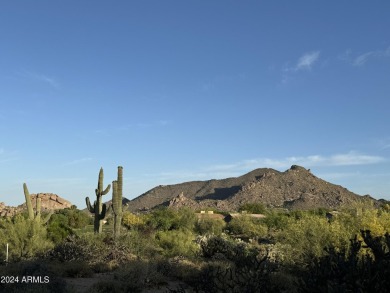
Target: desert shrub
[
  {"x": 63, "y": 221},
  {"x": 352, "y": 221},
  {"x": 375, "y": 220},
  {"x": 253, "y": 208},
  {"x": 72, "y": 217},
  {"x": 353, "y": 270},
  {"x": 179, "y": 267},
  {"x": 138, "y": 275},
  {"x": 206, "y": 226},
  {"x": 303, "y": 238},
  {"x": 220, "y": 276},
  {"x": 275, "y": 220},
  {"x": 247, "y": 226},
  {"x": 104, "y": 267},
  {"x": 69, "y": 250},
  {"x": 234, "y": 267},
  {"x": 212, "y": 246},
  {"x": 140, "y": 243},
  {"x": 185, "y": 219},
  {"x": 385, "y": 205},
  {"x": 76, "y": 219},
  {"x": 132, "y": 221},
  {"x": 89, "y": 247},
  {"x": 319, "y": 211},
  {"x": 58, "y": 228},
  {"x": 225, "y": 248},
  {"x": 26, "y": 238},
  {"x": 168, "y": 219},
  {"x": 97, "y": 246},
  {"x": 100, "y": 251},
  {"x": 177, "y": 242},
  {"x": 161, "y": 219}
]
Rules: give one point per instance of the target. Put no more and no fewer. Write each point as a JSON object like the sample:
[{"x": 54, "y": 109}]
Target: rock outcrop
[
  {"x": 7, "y": 211},
  {"x": 182, "y": 201},
  {"x": 49, "y": 202}
]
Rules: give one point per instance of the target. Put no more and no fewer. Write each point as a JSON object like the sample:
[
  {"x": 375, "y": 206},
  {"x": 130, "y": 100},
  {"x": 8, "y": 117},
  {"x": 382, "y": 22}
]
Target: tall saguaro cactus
[
  {"x": 99, "y": 208},
  {"x": 34, "y": 215},
  {"x": 117, "y": 187}
]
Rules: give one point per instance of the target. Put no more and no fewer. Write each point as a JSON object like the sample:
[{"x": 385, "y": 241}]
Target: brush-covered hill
[{"x": 296, "y": 188}]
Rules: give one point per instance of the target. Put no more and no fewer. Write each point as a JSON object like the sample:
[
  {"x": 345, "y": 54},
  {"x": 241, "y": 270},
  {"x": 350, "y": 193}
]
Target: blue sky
[{"x": 191, "y": 90}]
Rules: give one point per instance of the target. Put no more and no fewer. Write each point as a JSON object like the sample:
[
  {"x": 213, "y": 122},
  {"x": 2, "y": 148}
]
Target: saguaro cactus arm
[
  {"x": 106, "y": 190},
  {"x": 103, "y": 213},
  {"x": 38, "y": 208},
  {"x": 28, "y": 202},
  {"x": 47, "y": 218},
  {"x": 37, "y": 214},
  {"x": 90, "y": 208}
]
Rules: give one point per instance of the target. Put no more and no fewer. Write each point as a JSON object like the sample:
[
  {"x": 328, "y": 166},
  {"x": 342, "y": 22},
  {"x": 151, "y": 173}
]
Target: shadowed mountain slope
[{"x": 214, "y": 190}]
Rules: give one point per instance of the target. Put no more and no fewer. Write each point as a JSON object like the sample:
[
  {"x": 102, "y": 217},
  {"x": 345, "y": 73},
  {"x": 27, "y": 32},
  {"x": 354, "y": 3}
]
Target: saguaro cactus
[
  {"x": 99, "y": 208},
  {"x": 34, "y": 215},
  {"x": 117, "y": 187}
]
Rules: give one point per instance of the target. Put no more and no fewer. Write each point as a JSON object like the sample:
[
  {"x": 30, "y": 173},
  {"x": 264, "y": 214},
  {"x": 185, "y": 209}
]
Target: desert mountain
[
  {"x": 296, "y": 188},
  {"x": 125, "y": 201},
  {"x": 49, "y": 202}
]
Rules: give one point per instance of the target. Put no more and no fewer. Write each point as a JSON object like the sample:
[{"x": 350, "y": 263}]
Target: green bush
[
  {"x": 177, "y": 242},
  {"x": 275, "y": 220},
  {"x": 140, "y": 243},
  {"x": 132, "y": 221},
  {"x": 76, "y": 219},
  {"x": 253, "y": 208},
  {"x": 26, "y": 238},
  {"x": 215, "y": 246},
  {"x": 161, "y": 219},
  {"x": 304, "y": 238},
  {"x": 185, "y": 219},
  {"x": 168, "y": 219},
  {"x": 245, "y": 225},
  {"x": 206, "y": 226},
  {"x": 58, "y": 228},
  {"x": 63, "y": 221}
]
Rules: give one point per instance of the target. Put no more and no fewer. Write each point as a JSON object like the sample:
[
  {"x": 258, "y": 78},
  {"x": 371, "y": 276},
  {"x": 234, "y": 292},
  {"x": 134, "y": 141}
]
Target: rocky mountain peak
[{"x": 296, "y": 188}]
